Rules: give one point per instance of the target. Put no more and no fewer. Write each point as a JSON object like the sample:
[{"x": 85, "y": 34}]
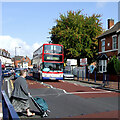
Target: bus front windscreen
[
  {"x": 53, "y": 49},
  {"x": 53, "y": 67}
]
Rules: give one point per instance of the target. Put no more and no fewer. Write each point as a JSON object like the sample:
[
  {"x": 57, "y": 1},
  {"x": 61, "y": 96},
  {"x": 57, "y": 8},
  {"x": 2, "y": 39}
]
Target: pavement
[{"x": 107, "y": 85}]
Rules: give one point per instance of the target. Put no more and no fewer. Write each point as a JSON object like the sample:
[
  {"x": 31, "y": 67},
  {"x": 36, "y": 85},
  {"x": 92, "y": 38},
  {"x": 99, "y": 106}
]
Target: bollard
[
  {"x": 95, "y": 76},
  {"x": 77, "y": 75},
  {"x": 103, "y": 78},
  {"x": 85, "y": 73},
  {"x": 107, "y": 79},
  {"x": 82, "y": 75},
  {"x": 88, "y": 75},
  {"x": 118, "y": 82}
]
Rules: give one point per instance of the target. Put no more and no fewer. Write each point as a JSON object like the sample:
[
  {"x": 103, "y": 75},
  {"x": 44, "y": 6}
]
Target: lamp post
[
  {"x": 15, "y": 50},
  {"x": 15, "y": 55}
]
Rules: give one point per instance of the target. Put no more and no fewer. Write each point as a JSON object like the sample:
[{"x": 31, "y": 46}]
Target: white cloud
[{"x": 9, "y": 43}]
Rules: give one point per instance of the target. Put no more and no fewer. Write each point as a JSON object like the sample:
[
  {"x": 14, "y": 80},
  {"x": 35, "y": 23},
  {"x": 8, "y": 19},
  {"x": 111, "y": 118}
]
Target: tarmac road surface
[{"x": 72, "y": 100}]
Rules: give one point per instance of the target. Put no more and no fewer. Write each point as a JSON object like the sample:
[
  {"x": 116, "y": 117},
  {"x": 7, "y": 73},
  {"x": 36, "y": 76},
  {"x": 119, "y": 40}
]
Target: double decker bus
[{"x": 48, "y": 62}]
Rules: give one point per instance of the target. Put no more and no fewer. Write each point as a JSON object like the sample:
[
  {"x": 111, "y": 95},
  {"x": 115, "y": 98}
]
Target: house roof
[
  {"x": 113, "y": 29},
  {"x": 118, "y": 31},
  {"x": 18, "y": 57}
]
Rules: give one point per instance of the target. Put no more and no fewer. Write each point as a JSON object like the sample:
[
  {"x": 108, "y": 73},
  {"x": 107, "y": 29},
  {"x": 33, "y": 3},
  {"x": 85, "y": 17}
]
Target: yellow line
[{"x": 11, "y": 82}]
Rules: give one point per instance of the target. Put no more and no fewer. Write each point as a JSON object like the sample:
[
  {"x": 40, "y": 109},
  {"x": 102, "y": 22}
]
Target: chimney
[{"x": 110, "y": 23}]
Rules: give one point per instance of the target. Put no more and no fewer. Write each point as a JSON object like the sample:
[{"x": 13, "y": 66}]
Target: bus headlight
[
  {"x": 44, "y": 75},
  {"x": 61, "y": 75}
]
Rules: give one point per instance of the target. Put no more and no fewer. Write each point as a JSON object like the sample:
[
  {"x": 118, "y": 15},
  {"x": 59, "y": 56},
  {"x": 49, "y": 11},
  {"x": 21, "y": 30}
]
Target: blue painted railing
[{"x": 9, "y": 112}]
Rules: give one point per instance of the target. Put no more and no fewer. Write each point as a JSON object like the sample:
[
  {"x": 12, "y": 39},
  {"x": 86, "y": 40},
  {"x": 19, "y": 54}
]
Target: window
[
  {"x": 103, "y": 45},
  {"x": 102, "y": 65},
  {"x": 114, "y": 40},
  {"x": 53, "y": 49}
]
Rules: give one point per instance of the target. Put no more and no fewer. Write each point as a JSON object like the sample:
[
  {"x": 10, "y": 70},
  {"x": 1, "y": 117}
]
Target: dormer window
[{"x": 114, "y": 41}]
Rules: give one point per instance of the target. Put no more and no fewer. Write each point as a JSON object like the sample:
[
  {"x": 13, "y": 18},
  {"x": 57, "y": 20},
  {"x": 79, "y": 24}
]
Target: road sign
[
  {"x": 71, "y": 62},
  {"x": 83, "y": 61}
]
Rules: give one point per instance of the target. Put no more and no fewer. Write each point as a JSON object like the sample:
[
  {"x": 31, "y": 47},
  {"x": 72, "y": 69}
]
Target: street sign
[
  {"x": 83, "y": 61},
  {"x": 71, "y": 62}
]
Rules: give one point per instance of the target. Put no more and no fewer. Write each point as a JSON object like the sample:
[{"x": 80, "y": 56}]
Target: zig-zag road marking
[{"x": 70, "y": 93}]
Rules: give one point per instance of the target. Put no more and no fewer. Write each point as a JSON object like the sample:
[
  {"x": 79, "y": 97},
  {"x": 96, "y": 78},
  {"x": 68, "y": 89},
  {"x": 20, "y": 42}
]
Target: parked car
[
  {"x": 17, "y": 73},
  {"x": 10, "y": 69},
  {"x": 68, "y": 76},
  {"x": 31, "y": 70},
  {"x": 6, "y": 73}
]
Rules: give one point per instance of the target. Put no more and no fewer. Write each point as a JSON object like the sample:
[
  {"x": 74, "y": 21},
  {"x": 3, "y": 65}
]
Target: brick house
[
  {"x": 5, "y": 58},
  {"x": 119, "y": 43},
  {"x": 108, "y": 45},
  {"x": 21, "y": 60}
]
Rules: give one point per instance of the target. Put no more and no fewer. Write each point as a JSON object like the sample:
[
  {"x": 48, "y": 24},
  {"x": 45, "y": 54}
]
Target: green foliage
[
  {"x": 110, "y": 66},
  {"x": 113, "y": 67},
  {"x": 77, "y": 33},
  {"x": 117, "y": 65}
]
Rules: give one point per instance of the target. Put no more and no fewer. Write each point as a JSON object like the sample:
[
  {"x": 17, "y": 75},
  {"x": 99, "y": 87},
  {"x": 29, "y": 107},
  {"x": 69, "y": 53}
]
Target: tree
[
  {"x": 117, "y": 65},
  {"x": 110, "y": 66},
  {"x": 113, "y": 66},
  {"x": 77, "y": 33}
]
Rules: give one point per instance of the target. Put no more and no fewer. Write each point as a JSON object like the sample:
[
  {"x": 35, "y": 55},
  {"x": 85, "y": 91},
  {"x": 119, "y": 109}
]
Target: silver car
[{"x": 68, "y": 76}]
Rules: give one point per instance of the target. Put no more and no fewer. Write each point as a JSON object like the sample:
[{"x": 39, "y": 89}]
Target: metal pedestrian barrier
[
  {"x": 8, "y": 111},
  {"x": 8, "y": 86}
]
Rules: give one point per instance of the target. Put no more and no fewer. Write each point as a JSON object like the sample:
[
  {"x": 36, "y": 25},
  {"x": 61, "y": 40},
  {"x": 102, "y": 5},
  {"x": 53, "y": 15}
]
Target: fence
[
  {"x": 105, "y": 80},
  {"x": 7, "y": 86},
  {"x": 8, "y": 111}
]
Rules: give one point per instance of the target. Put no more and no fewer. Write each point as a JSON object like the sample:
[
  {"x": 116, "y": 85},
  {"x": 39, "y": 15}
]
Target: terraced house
[
  {"x": 5, "y": 58},
  {"x": 22, "y": 62},
  {"x": 109, "y": 45}
]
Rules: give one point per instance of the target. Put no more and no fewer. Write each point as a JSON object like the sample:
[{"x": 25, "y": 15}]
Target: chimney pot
[{"x": 110, "y": 23}]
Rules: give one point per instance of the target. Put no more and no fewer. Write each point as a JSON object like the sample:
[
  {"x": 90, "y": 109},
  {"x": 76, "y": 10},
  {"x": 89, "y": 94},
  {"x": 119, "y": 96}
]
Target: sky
[{"x": 27, "y": 24}]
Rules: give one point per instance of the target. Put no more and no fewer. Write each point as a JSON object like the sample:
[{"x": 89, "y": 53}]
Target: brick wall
[
  {"x": 23, "y": 59},
  {"x": 108, "y": 43},
  {"x": 108, "y": 46},
  {"x": 99, "y": 77}
]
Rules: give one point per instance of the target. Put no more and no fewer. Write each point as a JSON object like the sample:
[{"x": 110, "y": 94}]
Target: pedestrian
[{"x": 20, "y": 95}]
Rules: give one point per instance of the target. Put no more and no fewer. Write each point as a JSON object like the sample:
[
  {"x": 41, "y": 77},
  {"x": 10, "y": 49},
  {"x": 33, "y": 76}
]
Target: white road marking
[
  {"x": 72, "y": 93},
  {"x": 89, "y": 92},
  {"x": 75, "y": 84},
  {"x": 68, "y": 93}
]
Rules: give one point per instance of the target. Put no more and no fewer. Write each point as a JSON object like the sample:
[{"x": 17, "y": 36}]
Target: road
[{"x": 72, "y": 99}]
